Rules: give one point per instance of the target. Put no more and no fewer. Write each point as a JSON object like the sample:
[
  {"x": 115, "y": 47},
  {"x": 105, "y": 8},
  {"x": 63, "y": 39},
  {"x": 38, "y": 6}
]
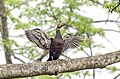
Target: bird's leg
[{"x": 54, "y": 70}]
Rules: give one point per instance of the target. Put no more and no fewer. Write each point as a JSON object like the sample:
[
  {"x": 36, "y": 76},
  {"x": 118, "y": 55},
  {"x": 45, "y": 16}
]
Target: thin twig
[
  {"x": 106, "y": 21},
  {"x": 43, "y": 55},
  {"x": 91, "y": 53},
  {"x": 19, "y": 5},
  {"x": 22, "y": 48},
  {"x": 18, "y": 58},
  {"x": 115, "y": 7},
  {"x": 111, "y": 43},
  {"x": 65, "y": 56},
  {"x": 85, "y": 74},
  {"x": 97, "y": 2},
  {"x": 90, "y": 44},
  {"x": 52, "y": 14},
  {"x": 84, "y": 51},
  {"x": 111, "y": 30},
  {"x": 22, "y": 55},
  {"x": 116, "y": 76}
]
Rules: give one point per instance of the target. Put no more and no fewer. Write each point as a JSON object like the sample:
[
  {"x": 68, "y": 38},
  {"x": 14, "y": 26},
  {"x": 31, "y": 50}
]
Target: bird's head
[{"x": 59, "y": 25}]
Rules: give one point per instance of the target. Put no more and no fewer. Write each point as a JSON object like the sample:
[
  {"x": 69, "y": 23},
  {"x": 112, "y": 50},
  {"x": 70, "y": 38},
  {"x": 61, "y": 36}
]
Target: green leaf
[
  {"x": 112, "y": 68},
  {"x": 21, "y": 25}
]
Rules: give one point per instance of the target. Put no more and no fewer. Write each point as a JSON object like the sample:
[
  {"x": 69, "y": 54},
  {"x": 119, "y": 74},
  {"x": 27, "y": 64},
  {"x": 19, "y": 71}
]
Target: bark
[
  {"x": 4, "y": 33},
  {"x": 58, "y": 66}
]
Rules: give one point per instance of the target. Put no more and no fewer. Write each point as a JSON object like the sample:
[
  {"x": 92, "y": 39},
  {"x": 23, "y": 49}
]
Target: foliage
[
  {"x": 112, "y": 68},
  {"x": 111, "y": 5}
]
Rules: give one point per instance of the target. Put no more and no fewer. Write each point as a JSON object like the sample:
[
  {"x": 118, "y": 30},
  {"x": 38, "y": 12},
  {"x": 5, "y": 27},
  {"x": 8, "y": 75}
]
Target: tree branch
[
  {"x": 106, "y": 21},
  {"x": 114, "y": 8},
  {"x": 97, "y": 2},
  {"x": 116, "y": 76},
  {"x": 58, "y": 66},
  {"x": 18, "y": 58},
  {"x": 112, "y": 30}
]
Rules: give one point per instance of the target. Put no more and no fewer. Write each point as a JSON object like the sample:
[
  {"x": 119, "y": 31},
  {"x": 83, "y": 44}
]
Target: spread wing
[
  {"x": 39, "y": 38},
  {"x": 71, "y": 41}
]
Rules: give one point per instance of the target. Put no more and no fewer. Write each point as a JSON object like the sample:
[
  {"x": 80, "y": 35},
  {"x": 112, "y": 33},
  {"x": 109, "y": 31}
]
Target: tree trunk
[{"x": 4, "y": 33}]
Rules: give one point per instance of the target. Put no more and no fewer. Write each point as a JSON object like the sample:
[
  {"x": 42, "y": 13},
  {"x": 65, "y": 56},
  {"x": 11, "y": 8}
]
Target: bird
[{"x": 56, "y": 45}]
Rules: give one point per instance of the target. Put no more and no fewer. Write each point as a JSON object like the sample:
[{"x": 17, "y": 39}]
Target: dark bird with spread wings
[{"x": 57, "y": 45}]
